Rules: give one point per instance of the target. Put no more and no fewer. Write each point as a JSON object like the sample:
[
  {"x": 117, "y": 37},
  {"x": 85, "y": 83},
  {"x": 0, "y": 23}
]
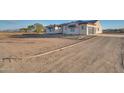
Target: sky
[{"x": 15, "y": 24}]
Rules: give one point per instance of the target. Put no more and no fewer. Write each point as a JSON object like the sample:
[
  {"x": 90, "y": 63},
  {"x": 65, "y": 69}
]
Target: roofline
[
  {"x": 81, "y": 22},
  {"x": 78, "y": 21}
]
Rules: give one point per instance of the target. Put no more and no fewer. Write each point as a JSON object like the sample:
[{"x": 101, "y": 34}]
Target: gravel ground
[
  {"x": 99, "y": 54},
  {"x": 13, "y": 47}
]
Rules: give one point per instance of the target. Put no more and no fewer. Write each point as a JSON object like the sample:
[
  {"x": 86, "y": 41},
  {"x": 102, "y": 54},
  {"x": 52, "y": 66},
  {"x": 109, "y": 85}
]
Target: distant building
[{"x": 54, "y": 29}]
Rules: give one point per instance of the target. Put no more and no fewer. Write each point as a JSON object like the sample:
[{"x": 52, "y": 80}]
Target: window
[
  {"x": 82, "y": 27},
  {"x": 50, "y": 29},
  {"x": 65, "y": 28},
  {"x": 72, "y": 29},
  {"x": 72, "y": 26}
]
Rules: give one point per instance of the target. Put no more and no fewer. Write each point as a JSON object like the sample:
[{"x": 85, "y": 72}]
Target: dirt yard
[{"x": 100, "y": 54}]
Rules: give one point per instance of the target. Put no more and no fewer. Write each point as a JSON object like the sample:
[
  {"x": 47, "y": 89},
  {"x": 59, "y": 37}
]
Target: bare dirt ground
[
  {"x": 21, "y": 47},
  {"x": 100, "y": 54}
]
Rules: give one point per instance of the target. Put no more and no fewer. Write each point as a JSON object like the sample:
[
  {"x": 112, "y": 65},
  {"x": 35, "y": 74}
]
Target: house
[
  {"x": 54, "y": 29},
  {"x": 76, "y": 27},
  {"x": 82, "y": 27}
]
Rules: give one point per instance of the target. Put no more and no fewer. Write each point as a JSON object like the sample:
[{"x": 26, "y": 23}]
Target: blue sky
[{"x": 15, "y": 24}]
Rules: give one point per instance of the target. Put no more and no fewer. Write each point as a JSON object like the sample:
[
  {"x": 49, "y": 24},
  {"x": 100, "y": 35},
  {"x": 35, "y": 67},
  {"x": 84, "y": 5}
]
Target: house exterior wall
[
  {"x": 99, "y": 27},
  {"x": 69, "y": 30},
  {"x": 83, "y": 29},
  {"x": 76, "y": 30},
  {"x": 79, "y": 29}
]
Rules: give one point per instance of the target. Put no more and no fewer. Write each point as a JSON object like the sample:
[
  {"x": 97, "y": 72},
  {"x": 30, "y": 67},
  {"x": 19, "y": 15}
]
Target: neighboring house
[
  {"x": 82, "y": 27},
  {"x": 53, "y": 29}
]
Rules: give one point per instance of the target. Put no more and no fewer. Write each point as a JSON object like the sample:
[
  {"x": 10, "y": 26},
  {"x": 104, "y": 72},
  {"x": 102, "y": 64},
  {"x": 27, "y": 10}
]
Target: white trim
[{"x": 87, "y": 30}]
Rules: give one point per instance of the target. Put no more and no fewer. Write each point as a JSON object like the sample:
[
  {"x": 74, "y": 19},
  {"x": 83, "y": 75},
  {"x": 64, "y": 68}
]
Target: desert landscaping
[{"x": 58, "y": 53}]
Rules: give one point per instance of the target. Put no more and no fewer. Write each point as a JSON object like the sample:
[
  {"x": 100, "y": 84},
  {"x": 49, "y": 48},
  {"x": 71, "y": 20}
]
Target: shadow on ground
[
  {"x": 47, "y": 36},
  {"x": 40, "y": 35}
]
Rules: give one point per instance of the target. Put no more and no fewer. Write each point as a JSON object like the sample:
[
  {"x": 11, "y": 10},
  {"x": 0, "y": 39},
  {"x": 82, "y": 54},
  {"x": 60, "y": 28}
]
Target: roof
[
  {"x": 79, "y": 22},
  {"x": 82, "y": 22},
  {"x": 87, "y": 22}
]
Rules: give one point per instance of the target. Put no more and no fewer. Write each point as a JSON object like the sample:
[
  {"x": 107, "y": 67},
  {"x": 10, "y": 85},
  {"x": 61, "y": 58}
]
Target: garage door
[{"x": 91, "y": 30}]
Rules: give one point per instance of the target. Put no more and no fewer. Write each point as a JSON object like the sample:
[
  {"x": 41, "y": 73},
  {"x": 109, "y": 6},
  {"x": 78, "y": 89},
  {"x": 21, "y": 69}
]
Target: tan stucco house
[{"x": 76, "y": 27}]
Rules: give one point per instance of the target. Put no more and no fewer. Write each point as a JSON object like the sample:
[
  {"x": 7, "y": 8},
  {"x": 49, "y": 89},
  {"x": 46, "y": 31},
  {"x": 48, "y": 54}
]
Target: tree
[
  {"x": 39, "y": 28},
  {"x": 30, "y": 27},
  {"x": 24, "y": 29}
]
